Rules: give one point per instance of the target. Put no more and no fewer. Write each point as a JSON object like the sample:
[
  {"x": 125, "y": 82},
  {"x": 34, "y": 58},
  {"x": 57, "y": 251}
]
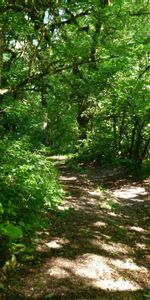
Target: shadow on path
[{"x": 97, "y": 247}]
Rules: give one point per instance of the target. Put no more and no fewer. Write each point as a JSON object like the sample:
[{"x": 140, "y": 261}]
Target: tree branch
[
  {"x": 50, "y": 70},
  {"x": 144, "y": 71},
  {"x": 139, "y": 13}
]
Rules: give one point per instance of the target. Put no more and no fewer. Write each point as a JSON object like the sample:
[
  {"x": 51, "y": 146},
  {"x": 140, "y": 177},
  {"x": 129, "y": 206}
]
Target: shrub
[{"x": 28, "y": 186}]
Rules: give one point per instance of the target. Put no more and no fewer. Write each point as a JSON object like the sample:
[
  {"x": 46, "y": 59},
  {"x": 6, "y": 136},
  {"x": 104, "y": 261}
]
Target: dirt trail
[{"x": 98, "y": 245}]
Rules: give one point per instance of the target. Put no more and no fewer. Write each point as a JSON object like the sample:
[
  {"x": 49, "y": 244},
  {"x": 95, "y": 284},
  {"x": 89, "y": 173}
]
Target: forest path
[{"x": 98, "y": 244}]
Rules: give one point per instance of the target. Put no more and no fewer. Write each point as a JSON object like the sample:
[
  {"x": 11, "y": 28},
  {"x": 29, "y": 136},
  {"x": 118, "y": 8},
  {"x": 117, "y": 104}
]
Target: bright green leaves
[
  {"x": 1, "y": 208},
  {"x": 28, "y": 187},
  {"x": 11, "y": 231},
  {"x": 30, "y": 180}
]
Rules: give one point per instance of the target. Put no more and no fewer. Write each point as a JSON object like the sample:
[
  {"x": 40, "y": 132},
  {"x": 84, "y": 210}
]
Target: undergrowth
[{"x": 28, "y": 188}]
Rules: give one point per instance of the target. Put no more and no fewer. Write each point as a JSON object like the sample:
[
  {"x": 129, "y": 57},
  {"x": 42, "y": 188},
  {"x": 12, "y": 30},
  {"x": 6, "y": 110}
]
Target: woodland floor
[{"x": 98, "y": 244}]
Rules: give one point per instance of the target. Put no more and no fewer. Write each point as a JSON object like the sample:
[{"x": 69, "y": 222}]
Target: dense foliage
[
  {"x": 75, "y": 78},
  {"x": 28, "y": 187}
]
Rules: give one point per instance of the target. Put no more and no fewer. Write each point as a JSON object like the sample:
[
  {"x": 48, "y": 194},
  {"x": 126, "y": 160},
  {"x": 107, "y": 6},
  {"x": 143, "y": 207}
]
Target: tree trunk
[
  {"x": 115, "y": 134},
  {"x": 138, "y": 144},
  {"x": 133, "y": 138}
]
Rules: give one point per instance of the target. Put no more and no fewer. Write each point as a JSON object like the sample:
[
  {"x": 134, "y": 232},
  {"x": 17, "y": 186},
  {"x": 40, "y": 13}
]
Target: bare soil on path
[{"x": 98, "y": 243}]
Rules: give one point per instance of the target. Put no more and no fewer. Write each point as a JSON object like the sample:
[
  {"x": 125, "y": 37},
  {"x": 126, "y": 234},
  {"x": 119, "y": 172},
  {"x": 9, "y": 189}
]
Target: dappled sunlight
[
  {"x": 119, "y": 285},
  {"x": 127, "y": 264},
  {"x": 64, "y": 207},
  {"x": 83, "y": 200},
  {"x": 99, "y": 224},
  {"x": 90, "y": 201},
  {"x": 96, "y": 244},
  {"x": 111, "y": 265},
  {"x": 142, "y": 246},
  {"x": 129, "y": 192},
  {"x": 60, "y": 268},
  {"x": 112, "y": 248},
  {"x": 112, "y": 214},
  {"x": 59, "y": 157},
  {"x": 95, "y": 193},
  {"x": 67, "y": 178},
  {"x": 137, "y": 229},
  {"x": 91, "y": 266},
  {"x": 57, "y": 243},
  {"x": 105, "y": 236},
  {"x": 99, "y": 271}
]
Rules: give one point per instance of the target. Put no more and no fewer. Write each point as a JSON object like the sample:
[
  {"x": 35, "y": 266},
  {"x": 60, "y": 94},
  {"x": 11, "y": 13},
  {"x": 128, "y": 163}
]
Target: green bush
[{"x": 28, "y": 186}]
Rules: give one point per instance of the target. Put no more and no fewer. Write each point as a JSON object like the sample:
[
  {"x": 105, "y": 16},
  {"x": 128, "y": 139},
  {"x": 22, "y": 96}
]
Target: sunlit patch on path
[
  {"x": 99, "y": 271},
  {"x": 69, "y": 178},
  {"x": 130, "y": 192}
]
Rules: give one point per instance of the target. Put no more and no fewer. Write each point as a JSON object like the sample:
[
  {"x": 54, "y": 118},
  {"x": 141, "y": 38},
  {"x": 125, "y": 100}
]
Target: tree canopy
[
  {"x": 82, "y": 68},
  {"x": 74, "y": 78}
]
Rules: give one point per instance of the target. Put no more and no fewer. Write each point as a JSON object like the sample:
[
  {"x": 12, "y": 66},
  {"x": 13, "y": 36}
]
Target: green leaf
[
  {"x": 147, "y": 295},
  {"x": 13, "y": 232},
  {"x": 49, "y": 296},
  {"x": 1, "y": 208}
]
